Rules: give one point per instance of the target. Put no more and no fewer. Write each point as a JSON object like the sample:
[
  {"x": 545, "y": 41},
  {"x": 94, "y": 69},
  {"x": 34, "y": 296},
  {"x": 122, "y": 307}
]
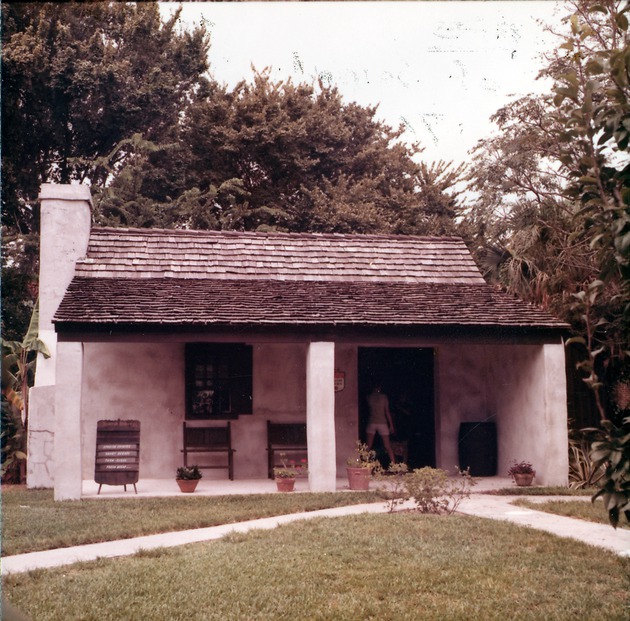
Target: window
[{"x": 218, "y": 380}]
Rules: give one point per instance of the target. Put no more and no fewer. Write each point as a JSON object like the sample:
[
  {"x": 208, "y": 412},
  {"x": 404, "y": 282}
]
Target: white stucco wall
[
  {"x": 68, "y": 450},
  {"x": 279, "y": 394},
  {"x": 145, "y": 382},
  {"x": 533, "y": 412},
  {"x": 461, "y": 395},
  {"x": 41, "y": 436},
  {"x": 521, "y": 388},
  {"x": 137, "y": 381}
]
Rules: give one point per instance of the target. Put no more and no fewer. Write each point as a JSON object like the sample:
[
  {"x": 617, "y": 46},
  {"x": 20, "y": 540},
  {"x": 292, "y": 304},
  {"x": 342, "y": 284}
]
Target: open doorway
[{"x": 406, "y": 376}]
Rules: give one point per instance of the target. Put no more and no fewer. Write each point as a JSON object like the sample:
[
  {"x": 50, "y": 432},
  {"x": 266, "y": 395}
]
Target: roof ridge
[{"x": 271, "y": 234}]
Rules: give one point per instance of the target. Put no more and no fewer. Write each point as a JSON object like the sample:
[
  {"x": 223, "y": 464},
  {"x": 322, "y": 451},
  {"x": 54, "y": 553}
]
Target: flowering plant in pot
[
  {"x": 359, "y": 467},
  {"x": 286, "y": 474},
  {"x": 522, "y": 472},
  {"x": 187, "y": 478}
]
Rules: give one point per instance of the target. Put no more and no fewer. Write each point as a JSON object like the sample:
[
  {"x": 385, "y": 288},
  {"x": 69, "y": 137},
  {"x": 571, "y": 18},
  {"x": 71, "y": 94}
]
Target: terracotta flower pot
[
  {"x": 285, "y": 484},
  {"x": 187, "y": 486},
  {"x": 359, "y": 478},
  {"x": 524, "y": 479}
]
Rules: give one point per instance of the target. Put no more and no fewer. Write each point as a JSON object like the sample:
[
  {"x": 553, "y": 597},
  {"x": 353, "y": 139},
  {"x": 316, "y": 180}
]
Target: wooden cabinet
[{"x": 117, "y": 453}]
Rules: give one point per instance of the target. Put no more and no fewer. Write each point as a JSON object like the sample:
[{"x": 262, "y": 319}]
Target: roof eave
[{"x": 71, "y": 331}]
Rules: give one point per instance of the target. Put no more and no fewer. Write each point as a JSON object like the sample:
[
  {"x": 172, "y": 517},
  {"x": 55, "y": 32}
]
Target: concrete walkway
[
  {"x": 123, "y": 547},
  {"x": 501, "y": 508},
  {"x": 479, "y": 504}
]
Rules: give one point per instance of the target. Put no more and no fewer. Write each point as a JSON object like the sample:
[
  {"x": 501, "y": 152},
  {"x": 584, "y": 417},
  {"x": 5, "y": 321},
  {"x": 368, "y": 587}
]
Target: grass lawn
[
  {"x": 580, "y": 509},
  {"x": 32, "y": 520},
  {"x": 536, "y": 490},
  {"x": 370, "y": 567}
]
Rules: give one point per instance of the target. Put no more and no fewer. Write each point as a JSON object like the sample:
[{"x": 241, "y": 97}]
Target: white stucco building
[{"x": 131, "y": 315}]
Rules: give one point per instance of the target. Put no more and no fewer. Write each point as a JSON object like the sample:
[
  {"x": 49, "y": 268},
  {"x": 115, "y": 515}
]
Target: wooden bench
[
  {"x": 284, "y": 438},
  {"x": 209, "y": 439}
]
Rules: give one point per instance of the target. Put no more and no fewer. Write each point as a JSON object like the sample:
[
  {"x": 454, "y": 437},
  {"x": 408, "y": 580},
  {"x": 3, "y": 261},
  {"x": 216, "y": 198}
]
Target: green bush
[
  {"x": 432, "y": 490},
  {"x": 582, "y": 471},
  {"x": 394, "y": 489}
]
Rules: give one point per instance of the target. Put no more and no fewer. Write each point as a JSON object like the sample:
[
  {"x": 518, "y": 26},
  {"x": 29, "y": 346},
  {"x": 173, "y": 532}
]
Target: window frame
[{"x": 224, "y": 371}]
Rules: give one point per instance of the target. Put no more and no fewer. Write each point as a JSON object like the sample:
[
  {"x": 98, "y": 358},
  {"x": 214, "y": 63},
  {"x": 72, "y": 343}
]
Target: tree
[
  {"x": 592, "y": 102},
  {"x": 20, "y": 256},
  {"x": 591, "y": 99},
  {"x": 78, "y": 79},
  {"x": 281, "y": 156},
  {"x": 18, "y": 370},
  {"x": 559, "y": 173},
  {"x": 288, "y": 144},
  {"x": 522, "y": 220},
  {"x": 540, "y": 208}
]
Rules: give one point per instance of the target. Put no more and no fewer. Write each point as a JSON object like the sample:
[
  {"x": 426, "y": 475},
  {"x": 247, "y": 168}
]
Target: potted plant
[
  {"x": 187, "y": 478},
  {"x": 522, "y": 472},
  {"x": 359, "y": 467},
  {"x": 286, "y": 474}
]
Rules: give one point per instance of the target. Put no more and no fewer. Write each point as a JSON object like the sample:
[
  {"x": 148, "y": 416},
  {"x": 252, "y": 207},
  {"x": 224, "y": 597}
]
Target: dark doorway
[{"x": 406, "y": 376}]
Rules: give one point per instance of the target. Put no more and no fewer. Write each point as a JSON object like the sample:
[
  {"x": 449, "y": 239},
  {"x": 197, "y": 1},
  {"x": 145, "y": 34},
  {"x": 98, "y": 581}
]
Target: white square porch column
[
  {"x": 320, "y": 417},
  {"x": 68, "y": 450},
  {"x": 555, "y": 424}
]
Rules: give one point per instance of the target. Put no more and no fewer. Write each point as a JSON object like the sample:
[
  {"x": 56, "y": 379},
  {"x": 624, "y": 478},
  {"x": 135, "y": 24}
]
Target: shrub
[
  {"x": 582, "y": 471},
  {"x": 434, "y": 492},
  {"x": 394, "y": 489}
]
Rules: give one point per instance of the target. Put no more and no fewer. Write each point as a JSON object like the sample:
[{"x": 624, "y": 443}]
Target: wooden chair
[
  {"x": 209, "y": 439},
  {"x": 284, "y": 438}
]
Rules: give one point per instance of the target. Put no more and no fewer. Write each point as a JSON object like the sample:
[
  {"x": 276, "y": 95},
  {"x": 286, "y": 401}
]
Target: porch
[
  {"x": 155, "y": 488},
  {"x": 517, "y": 386}
]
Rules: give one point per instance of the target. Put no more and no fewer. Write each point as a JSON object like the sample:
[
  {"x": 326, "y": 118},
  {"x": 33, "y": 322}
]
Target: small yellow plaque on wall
[{"x": 340, "y": 380}]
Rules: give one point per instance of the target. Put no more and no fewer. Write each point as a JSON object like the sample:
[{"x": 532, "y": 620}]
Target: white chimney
[
  {"x": 66, "y": 212},
  {"x": 64, "y": 235}
]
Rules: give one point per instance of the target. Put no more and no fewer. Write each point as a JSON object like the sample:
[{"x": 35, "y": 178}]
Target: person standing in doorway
[{"x": 380, "y": 420}]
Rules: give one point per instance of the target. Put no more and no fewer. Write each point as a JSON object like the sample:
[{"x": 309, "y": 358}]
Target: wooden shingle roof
[
  {"x": 156, "y": 253},
  {"x": 148, "y": 277}
]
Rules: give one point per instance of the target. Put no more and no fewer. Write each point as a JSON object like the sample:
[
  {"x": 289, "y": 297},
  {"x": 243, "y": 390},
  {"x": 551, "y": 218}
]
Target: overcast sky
[{"x": 441, "y": 68}]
